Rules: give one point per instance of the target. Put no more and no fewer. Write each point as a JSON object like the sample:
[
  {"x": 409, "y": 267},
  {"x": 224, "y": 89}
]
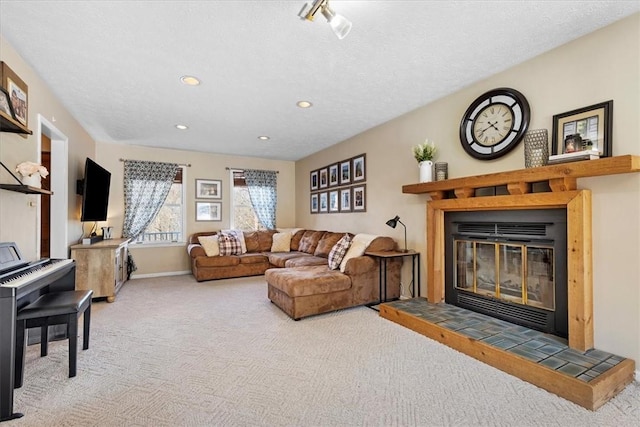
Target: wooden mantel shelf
[{"x": 561, "y": 177}]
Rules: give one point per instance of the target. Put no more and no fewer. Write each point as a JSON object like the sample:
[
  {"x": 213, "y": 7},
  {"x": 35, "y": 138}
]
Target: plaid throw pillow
[
  {"x": 229, "y": 245},
  {"x": 338, "y": 252}
]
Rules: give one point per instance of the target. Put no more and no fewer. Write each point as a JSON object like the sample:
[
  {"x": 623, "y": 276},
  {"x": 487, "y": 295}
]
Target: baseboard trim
[{"x": 164, "y": 274}]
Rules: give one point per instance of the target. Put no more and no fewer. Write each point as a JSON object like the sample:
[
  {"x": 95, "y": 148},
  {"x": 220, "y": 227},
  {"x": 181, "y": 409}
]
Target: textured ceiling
[{"x": 116, "y": 65}]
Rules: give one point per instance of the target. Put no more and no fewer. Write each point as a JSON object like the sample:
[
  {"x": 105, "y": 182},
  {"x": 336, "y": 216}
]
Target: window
[
  {"x": 168, "y": 225},
  {"x": 243, "y": 216}
]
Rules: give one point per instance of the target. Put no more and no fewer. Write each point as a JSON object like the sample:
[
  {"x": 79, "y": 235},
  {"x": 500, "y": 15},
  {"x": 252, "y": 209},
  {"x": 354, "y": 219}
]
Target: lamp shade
[
  {"x": 393, "y": 222},
  {"x": 340, "y": 26}
]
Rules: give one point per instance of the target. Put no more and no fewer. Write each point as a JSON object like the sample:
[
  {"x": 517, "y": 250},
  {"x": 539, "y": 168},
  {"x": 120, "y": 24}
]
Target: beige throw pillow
[
  {"x": 210, "y": 245},
  {"x": 359, "y": 243},
  {"x": 281, "y": 242}
]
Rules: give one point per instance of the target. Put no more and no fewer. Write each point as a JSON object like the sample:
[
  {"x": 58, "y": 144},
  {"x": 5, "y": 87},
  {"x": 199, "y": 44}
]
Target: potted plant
[
  {"x": 31, "y": 173},
  {"x": 425, "y": 153}
]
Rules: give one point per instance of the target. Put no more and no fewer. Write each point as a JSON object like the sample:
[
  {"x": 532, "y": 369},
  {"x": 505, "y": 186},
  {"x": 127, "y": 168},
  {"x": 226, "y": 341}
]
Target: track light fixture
[{"x": 339, "y": 24}]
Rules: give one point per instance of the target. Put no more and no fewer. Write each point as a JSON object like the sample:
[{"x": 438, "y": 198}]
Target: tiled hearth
[{"x": 588, "y": 378}]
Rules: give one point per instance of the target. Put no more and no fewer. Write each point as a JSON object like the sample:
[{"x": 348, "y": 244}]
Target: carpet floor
[{"x": 174, "y": 352}]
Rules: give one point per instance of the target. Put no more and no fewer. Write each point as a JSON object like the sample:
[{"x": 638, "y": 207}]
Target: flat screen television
[{"x": 94, "y": 189}]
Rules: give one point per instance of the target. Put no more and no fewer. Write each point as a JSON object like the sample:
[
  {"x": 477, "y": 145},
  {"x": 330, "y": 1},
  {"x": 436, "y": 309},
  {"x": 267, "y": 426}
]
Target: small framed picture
[
  {"x": 208, "y": 189},
  {"x": 208, "y": 211},
  {"x": 5, "y": 104},
  {"x": 345, "y": 172},
  {"x": 313, "y": 180},
  {"x": 333, "y": 175},
  {"x": 345, "y": 200},
  {"x": 358, "y": 168},
  {"x": 18, "y": 93},
  {"x": 324, "y": 202},
  {"x": 324, "y": 178},
  {"x": 314, "y": 203},
  {"x": 334, "y": 202},
  {"x": 587, "y": 128},
  {"x": 360, "y": 198}
]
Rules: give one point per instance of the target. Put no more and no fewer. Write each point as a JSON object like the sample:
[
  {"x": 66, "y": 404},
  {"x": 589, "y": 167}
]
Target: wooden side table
[{"x": 384, "y": 256}]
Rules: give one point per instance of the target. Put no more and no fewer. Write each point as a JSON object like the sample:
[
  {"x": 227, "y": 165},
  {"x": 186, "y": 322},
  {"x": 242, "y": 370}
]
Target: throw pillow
[
  {"x": 240, "y": 236},
  {"x": 229, "y": 245},
  {"x": 359, "y": 243},
  {"x": 210, "y": 245},
  {"x": 281, "y": 242},
  {"x": 338, "y": 252}
]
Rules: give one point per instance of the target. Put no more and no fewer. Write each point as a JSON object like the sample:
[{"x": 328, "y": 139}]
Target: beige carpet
[{"x": 174, "y": 352}]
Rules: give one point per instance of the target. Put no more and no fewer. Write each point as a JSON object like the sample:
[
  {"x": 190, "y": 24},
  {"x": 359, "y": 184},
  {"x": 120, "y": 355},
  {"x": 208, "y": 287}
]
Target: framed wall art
[
  {"x": 313, "y": 180},
  {"x": 345, "y": 172},
  {"x": 587, "y": 128},
  {"x": 323, "y": 202},
  {"x": 345, "y": 200},
  {"x": 208, "y": 211},
  {"x": 314, "y": 203},
  {"x": 324, "y": 178},
  {"x": 358, "y": 168},
  {"x": 333, "y": 175},
  {"x": 359, "y": 198},
  {"x": 18, "y": 93},
  {"x": 5, "y": 103},
  {"x": 334, "y": 201},
  {"x": 208, "y": 189}
]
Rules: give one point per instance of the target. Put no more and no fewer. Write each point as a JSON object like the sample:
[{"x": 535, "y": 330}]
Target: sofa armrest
[
  {"x": 359, "y": 265},
  {"x": 195, "y": 250}
]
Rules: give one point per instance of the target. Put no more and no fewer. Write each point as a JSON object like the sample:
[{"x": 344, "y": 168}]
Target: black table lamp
[{"x": 393, "y": 222}]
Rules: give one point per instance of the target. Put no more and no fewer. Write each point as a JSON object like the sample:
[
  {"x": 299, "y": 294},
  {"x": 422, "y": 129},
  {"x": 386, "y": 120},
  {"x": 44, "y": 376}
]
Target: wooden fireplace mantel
[{"x": 561, "y": 177}]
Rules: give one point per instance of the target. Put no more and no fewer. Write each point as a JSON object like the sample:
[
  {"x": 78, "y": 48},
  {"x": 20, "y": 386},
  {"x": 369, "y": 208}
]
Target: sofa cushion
[
  {"x": 309, "y": 241},
  {"x": 258, "y": 241},
  {"x": 359, "y": 243},
  {"x": 240, "y": 236},
  {"x": 229, "y": 244},
  {"x": 295, "y": 239},
  {"x": 210, "y": 245},
  {"x": 338, "y": 252},
  {"x": 326, "y": 243},
  {"x": 217, "y": 261},
  {"x": 279, "y": 259},
  {"x": 305, "y": 281},
  {"x": 302, "y": 261},
  {"x": 252, "y": 258},
  {"x": 281, "y": 242}
]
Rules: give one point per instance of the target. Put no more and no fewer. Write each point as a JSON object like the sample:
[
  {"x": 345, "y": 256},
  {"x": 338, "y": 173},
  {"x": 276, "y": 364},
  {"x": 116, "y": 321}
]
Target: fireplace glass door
[{"x": 514, "y": 272}]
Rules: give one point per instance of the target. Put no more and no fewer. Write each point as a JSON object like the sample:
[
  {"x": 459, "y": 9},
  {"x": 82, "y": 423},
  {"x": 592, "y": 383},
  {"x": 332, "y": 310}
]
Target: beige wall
[
  {"x": 18, "y": 219},
  {"x": 169, "y": 259},
  {"x": 598, "y": 67}
]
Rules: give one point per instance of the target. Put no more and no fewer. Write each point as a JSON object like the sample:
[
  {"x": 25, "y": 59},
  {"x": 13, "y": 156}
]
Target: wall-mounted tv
[{"x": 94, "y": 189}]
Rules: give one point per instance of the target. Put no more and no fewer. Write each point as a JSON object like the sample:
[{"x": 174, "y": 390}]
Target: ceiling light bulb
[
  {"x": 339, "y": 24},
  {"x": 264, "y": 138},
  {"x": 182, "y": 127},
  {"x": 304, "y": 104},
  {"x": 190, "y": 80}
]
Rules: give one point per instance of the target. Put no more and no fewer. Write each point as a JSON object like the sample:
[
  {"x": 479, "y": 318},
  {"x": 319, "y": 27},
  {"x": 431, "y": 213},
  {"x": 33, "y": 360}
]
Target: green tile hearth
[{"x": 545, "y": 349}]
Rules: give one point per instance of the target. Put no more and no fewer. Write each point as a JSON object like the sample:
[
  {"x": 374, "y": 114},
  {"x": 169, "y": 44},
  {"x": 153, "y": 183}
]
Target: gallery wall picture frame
[
  {"x": 334, "y": 201},
  {"x": 5, "y": 104},
  {"x": 18, "y": 93},
  {"x": 359, "y": 168},
  {"x": 314, "y": 207},
  {"x": 334, "y": 177},
  {"x": 345, "y": 172},
  {"x": 587, "y": 128},
  {"x": 208, "y": 189},
  {"x": 208, "y": 211},
  {"x": 313, "y": 180},
  {"x": 323, "y": 202},
  {"x": 323, "y": 176},
  {"x": 359, "y": 198},
  {"x": 345, "y": 200}
]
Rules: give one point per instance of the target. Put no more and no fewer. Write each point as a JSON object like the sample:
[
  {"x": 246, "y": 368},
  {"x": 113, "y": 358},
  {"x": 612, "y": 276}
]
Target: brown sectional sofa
[{"x": 300, "y": 281}]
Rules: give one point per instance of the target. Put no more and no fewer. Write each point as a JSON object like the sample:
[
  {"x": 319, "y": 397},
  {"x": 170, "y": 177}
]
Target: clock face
[{"x": 494, "y": 123}]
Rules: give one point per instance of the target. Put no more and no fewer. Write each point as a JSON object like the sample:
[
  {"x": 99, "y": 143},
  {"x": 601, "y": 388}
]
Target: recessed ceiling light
[
  {"x": 264, "y": 138},
  {"x": 182, "y": 127},
  {"x": 304, "y": 104},
  {"x": 190, "y": 80}
]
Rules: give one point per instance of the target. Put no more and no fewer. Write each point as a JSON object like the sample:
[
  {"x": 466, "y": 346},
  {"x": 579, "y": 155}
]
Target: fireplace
[{"x": 509, "y": 264}]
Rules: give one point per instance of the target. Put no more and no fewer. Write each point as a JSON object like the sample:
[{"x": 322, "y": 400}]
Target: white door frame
[{"x": 59, "y": 223}]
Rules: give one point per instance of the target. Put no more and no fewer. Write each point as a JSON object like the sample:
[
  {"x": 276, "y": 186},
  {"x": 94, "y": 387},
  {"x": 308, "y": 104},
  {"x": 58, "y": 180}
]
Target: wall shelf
[
  {"x": 561, "y": 177},
  {"x": 7, "y": 124},
  {"x": 26, "y": 189}
]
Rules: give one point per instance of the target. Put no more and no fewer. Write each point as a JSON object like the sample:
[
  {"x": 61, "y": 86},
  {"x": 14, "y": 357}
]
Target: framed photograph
[
  {"x": 208, "y": 211},
  {"x": 5, "y": 104},
  {"x": 314, "y": 203},
  {"x": 323, "y": 202},
  {"x": 358, "y": 168},
  {"x": 208, "y": 189},
  {"x": 313, "y": 180},
  {"x": 345, "y": 200},
  {"x": 587, "y": 128},
  {"x": 334, "y": 202},
  {"x": 323, "y": 177},
  {"x": 18, "y": 92},
  {"x": 345, "y": 172},
  {"x": 359, "y": 198},
  {"x": 334, "y": 177}
]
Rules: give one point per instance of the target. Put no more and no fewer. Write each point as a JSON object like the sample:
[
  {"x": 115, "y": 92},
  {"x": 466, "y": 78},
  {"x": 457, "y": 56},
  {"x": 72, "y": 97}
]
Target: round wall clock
[{"x": 494, "y": 123}]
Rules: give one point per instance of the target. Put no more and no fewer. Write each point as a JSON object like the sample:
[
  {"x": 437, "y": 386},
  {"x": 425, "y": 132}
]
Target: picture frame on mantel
[
  {"x": 587, "y": 128},
  {"x": 18, "y": 93}
]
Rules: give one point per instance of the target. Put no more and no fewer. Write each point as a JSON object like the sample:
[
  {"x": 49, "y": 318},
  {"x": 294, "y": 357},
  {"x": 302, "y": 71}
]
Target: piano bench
[{"x": 54, "y": 308}]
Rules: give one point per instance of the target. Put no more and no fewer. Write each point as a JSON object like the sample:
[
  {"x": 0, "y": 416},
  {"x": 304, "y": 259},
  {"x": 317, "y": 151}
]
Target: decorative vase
[
  {"x": 536, "y": 148},
  {"x": 33, "y": 180},
  {"x": 426, "y": 171}
]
